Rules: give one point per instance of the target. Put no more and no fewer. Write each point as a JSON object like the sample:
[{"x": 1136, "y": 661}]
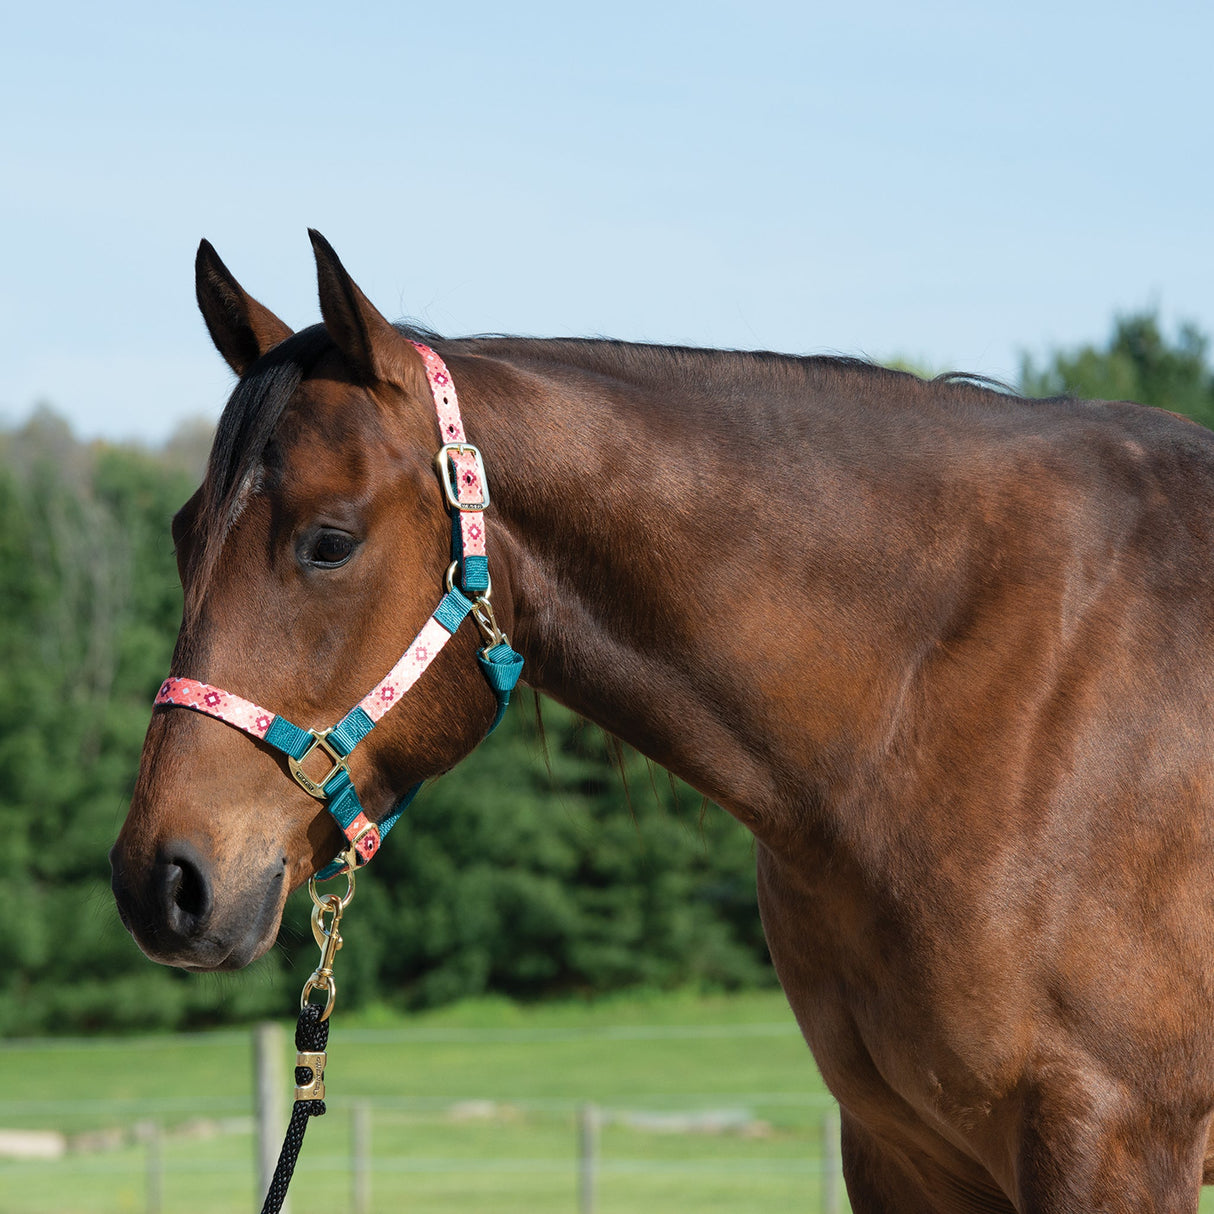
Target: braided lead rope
[{"x": 311, "y": 1036}]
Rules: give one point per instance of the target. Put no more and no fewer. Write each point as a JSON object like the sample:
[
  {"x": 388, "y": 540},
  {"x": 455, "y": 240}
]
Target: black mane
[{"x": 257, "y": 403}]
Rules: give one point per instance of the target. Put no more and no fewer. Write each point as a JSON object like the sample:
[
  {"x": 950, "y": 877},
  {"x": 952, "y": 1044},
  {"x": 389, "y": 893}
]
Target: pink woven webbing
[
  {"x": 215, "y": 702},
  {"x": 451, "y": 427},
  {"x": 421, "y": 652},
  {"x": 450, "y": 424}
]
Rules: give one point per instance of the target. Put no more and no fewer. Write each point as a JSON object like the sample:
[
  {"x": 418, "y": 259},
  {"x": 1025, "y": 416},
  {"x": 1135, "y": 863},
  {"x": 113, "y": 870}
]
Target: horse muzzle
[{"x": 170, "y": 908}]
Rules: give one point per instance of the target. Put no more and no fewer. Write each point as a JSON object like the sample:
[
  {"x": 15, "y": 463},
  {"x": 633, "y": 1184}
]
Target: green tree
[
  {"x": 1137, "y": 363},
  {"x": 90, "y": 603},
  {"x": 535, "y": 877},
  {"x": 505, "y": 876}
]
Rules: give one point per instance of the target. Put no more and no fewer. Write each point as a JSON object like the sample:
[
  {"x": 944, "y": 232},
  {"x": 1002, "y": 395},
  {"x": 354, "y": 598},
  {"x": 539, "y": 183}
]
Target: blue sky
[{"x": 951, "y": 183}]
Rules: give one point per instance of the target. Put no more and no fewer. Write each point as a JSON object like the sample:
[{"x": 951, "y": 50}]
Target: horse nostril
[{"x": 185, "y": 893}]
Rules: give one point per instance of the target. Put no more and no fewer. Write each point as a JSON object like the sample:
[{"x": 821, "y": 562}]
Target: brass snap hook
[{"x": 486, "y": 621}]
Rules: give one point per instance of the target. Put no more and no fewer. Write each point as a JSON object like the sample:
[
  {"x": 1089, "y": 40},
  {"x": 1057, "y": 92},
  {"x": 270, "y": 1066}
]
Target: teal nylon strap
[
  {"x": 288, "y": 738},
  {"x": 502, "y": 667},
  {"x": 399, "y": 808},
  {"x": 475, "y": 571},
  {"x": 343, "y": 802},
  {"x": 452, "y": 611},
  {"x": 350, "y": 730}
]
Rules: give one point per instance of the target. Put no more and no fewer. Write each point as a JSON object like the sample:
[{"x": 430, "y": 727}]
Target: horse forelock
[
  {"x": 246, "y": 427},
  {"x": 250, "y": 419}
]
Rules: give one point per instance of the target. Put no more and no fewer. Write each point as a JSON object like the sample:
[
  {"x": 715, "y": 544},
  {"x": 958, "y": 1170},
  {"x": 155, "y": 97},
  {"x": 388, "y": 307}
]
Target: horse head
[{"x": 314, "y": 551}]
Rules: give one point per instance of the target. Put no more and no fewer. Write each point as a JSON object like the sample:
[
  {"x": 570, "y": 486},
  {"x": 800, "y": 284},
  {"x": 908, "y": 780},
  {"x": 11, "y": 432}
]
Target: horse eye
[{"x": 328, "y": 549}]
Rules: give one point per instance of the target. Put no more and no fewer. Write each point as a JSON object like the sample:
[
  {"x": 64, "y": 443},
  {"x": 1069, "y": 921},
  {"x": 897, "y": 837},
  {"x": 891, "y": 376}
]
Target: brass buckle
[
  {"x": 444, "y": 464},
  {"x": 336, "y": 759}
]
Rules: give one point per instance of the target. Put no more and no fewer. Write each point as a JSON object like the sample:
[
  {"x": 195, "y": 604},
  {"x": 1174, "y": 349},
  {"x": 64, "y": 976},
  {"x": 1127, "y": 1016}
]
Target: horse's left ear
[
  {"x": 241, "y": 328},
  {"x": 374, "y": 349}
]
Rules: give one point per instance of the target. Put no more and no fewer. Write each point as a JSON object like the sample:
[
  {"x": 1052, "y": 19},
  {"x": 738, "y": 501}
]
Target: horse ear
[
  {"x": 241, "y": 328},
  {"x": 371, "y": 345}
]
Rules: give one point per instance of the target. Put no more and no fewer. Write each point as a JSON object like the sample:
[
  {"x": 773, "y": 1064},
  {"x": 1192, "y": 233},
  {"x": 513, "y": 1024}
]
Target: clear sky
[{"x": 952, "y": 183}]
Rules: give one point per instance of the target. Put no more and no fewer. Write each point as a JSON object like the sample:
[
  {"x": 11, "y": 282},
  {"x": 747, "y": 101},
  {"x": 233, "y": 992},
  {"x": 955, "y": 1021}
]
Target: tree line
[{"x": 550, "y": 862}]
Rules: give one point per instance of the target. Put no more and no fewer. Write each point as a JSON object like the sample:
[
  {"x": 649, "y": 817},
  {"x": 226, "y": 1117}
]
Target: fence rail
[{"x": 198, "y": 1151}]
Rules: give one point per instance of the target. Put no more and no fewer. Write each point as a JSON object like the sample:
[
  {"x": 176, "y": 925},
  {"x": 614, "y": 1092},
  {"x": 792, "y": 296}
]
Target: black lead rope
[{"x": 311, "y": 1037}]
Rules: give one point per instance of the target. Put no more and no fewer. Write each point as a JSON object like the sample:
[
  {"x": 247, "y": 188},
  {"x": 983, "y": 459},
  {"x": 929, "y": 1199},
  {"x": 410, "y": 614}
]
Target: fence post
[
  {"x": 589, "y": 1121},
  {"x": 360, "y": 1153},
  {"x": 150, "y": 1132},
  {"x": 269, "y": 1093},
  {"x": 832, "y": 1166}
]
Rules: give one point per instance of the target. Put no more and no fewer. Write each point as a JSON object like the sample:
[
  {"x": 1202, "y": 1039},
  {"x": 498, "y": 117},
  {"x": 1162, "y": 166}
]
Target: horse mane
[
  {"x": 259, "y": 400},
  {"x": 650, "y": 363},
  {"x": 718, "y": 372}
]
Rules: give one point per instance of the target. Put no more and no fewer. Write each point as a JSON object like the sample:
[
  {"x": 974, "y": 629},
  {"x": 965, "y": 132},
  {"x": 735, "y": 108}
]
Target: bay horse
[{"x": 947, "y": 652}]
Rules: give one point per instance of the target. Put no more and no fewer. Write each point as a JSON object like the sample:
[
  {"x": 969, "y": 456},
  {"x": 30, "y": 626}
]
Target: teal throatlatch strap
[{"x": 502, "y": 667}]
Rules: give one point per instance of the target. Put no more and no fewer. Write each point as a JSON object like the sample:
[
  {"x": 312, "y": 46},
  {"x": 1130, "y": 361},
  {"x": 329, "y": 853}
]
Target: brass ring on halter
[
  {"x": 314, "y": 983},
  {"x": 344, "y": 899},
  {"x": 450, "y": 580}
]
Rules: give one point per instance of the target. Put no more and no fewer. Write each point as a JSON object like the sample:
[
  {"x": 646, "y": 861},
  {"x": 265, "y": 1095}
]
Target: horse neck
[{"x": 743, "y": 603}]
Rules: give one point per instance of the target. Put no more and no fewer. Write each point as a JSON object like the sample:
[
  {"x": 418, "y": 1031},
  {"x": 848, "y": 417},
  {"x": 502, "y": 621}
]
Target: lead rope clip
[{"x": 311, "y": 1035}]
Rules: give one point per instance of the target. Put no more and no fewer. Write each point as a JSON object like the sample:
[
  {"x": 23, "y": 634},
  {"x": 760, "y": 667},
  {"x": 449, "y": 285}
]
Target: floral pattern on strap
[
  {"x": 215, "y": 702},
  {"x": 450, "y": 424},
  {"x": 423, "y": 650}
]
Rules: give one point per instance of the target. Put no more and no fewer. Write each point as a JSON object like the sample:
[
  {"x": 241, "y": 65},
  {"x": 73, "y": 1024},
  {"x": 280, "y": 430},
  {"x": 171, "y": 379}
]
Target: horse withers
[{"x": 948, "y": 653}]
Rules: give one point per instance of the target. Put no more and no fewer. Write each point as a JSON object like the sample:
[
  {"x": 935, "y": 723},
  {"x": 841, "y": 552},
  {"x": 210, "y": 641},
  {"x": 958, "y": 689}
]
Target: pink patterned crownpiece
[
  {"x": 215, "y": 702},
  {"x": 450, "y": 424}
]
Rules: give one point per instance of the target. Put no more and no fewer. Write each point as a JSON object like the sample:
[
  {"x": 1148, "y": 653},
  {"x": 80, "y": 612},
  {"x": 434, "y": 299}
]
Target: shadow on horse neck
[{"x": 944, "y": 650}]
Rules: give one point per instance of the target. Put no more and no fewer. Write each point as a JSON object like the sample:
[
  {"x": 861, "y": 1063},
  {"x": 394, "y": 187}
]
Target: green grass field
[{"x": 472, "y": 1108}]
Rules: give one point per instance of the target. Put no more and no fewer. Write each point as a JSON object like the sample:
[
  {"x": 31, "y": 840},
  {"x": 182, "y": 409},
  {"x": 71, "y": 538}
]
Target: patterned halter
[{"x": 465, "y": 488}]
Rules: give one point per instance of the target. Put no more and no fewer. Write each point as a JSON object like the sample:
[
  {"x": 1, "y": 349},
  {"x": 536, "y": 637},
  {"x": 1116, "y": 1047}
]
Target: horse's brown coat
[{"x": 948, "y": 653}]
